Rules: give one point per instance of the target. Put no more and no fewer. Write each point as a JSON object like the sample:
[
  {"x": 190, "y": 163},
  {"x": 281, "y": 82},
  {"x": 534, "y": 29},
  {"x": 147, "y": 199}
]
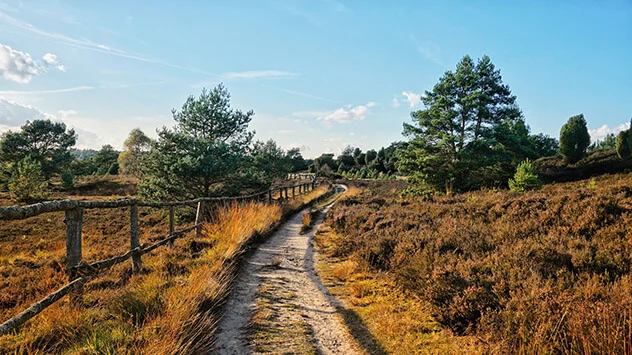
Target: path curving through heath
[{"x": 287, "y": 256}]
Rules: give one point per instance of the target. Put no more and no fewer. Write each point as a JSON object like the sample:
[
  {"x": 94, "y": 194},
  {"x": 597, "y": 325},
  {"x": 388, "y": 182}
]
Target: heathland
[{"x": 492, "y": 271}]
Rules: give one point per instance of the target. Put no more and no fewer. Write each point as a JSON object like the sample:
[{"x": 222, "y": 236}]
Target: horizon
[{"x": 319, "y": 75}]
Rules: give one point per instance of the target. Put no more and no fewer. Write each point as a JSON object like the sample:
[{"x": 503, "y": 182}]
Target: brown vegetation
[
  {"x": 546, "y": 271},
  {"x": 169, "y": 308},
  {"x": 596, "y": 162}
]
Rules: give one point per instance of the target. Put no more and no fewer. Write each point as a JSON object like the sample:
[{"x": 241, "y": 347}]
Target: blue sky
[{"x": 319, "y": 74}]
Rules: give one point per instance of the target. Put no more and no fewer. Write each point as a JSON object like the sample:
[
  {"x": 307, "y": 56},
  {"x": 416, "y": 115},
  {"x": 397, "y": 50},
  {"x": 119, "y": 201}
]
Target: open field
[
  {"x": 171, "y": 307},
  {"x": 546, "y": 271}
]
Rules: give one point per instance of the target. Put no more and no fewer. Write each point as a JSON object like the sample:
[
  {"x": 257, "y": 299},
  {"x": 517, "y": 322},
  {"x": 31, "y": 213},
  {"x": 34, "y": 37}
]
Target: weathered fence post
[
  {"x": 134, "y": 238},
  {"x": 199, "y": 218},
  {"x": 172, "y": 223},
  {"x": 74, "y": 223},
  {"x": 293, "y": 191},
  {"x": 270, "y": 197}
]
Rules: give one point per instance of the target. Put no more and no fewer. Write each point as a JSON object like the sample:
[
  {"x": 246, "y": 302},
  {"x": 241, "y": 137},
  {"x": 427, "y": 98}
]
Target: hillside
[
  {"x": 596, "y": 162},
  {"x": 546, "y": 271}
]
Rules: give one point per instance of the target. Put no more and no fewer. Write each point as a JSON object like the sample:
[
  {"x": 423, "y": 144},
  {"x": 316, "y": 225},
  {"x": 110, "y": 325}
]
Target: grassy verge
[{"x": 170, "y": 308}]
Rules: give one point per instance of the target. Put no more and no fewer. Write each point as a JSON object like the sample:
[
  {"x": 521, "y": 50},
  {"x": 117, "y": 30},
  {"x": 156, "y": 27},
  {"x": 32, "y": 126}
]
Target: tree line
[
  {"x": 210, "y": 151},
  {"x": 470, "y": 134}
]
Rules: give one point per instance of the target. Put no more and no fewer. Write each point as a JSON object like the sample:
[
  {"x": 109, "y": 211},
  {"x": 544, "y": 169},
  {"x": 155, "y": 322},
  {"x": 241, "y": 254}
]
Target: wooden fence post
[
  {"x": 172, "y": 223},
  {"x": 74, "y": 223},
  {"x": 137, "y": 263},
  {"x": 270, "y": 197},
  {"x": 293, "y": 191},
  {"x": 199, "y": 218}
]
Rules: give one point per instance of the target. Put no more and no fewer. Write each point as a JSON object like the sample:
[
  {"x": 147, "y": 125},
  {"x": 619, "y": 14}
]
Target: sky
[{"x": 319, "y": 74}]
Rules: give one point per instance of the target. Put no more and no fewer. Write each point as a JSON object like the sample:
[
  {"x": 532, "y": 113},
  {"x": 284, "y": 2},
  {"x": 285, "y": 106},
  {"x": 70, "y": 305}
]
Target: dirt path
[{"x": 285, "y": 264}]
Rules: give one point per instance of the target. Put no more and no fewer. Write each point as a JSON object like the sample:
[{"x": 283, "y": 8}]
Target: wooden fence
[{"x": 79, "y": 272}]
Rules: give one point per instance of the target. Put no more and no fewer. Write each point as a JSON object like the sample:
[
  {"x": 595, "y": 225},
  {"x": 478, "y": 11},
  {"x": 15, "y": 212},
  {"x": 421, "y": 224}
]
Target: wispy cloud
[
  {"x": 259, "y": 74},
  {"x": 395, "y": 102},
  {"x": 429, "y": 50},
  {"x": 93, "y": 46},
  {"x": 298, "y": 93},
  {"x": 75, "y": 88}
]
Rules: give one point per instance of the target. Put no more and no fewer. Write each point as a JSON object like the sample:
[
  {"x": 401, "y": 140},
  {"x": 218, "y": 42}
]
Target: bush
[
  {"x": 526, "y": 178},
  {"x": 67, "y": 179},
  {"x": 574, "y": 139},
  {"x": 27, "y": 182},
  {"x": 624, "y": 145}
]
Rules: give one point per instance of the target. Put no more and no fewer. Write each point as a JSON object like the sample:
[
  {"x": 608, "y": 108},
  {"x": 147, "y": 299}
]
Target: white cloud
[
  {"x": 395, "y": 102},
  {"x": 53, "y": 60},
  {"x": 16, "y": 66},
  {"x": 349, "y": 114},
  {"x": 412, "y": 98},
  {"x": 601, "y": 132},
  {"x": 50, "y": 58},
  {"x": 13, "y": 114},
  {"x": 259, "y": 74}
]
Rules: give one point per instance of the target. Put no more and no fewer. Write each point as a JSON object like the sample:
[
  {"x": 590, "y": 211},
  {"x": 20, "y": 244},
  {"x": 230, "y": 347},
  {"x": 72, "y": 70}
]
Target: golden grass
[
  {"x": 383, "y": 318},
  {"x": 170, "y": 308}
]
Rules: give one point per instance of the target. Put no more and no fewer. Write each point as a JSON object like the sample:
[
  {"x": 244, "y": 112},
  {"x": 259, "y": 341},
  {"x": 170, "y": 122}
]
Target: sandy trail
[{"x": 295, "y": 253}]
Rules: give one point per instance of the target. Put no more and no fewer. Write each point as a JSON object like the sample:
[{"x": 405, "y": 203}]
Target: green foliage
[
  {"x": 526, "y": 178},
  {"x": 624, "y": 144},
  {"x": 296, "y": 160},
  {"x": 27, "y": 183},
  {"x": 354, "y": 164},
  {"x": 104, "y": 162},
  {"x": 574, "y": 139},
  {"x": 135, "y": 149},
  {"x": 67, "y": 179},
  {"x": 270, "y": 162},
  {"x": 43, "y": 141},
  {"x": 204, "y": 154},
  {"x": 471, "y": 133}
]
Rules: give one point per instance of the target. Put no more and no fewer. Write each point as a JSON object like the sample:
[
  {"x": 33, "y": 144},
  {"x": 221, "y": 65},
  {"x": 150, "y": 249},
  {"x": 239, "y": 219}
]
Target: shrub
[
  {"x": 574, "y": 139},
  {"x": 27, "y": 182},
  {"x": 526, "y": 178},
  {"x": 67, "y": 179},
  {"x": 624, "y": 145}
]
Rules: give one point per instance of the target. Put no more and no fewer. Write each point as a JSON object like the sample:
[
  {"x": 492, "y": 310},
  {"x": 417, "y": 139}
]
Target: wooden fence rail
[{"x": 79, "y": 272}]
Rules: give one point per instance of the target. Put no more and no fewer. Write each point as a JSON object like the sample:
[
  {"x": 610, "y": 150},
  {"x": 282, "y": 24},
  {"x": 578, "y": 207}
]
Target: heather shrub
[{"x": 539, "y": 272}]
